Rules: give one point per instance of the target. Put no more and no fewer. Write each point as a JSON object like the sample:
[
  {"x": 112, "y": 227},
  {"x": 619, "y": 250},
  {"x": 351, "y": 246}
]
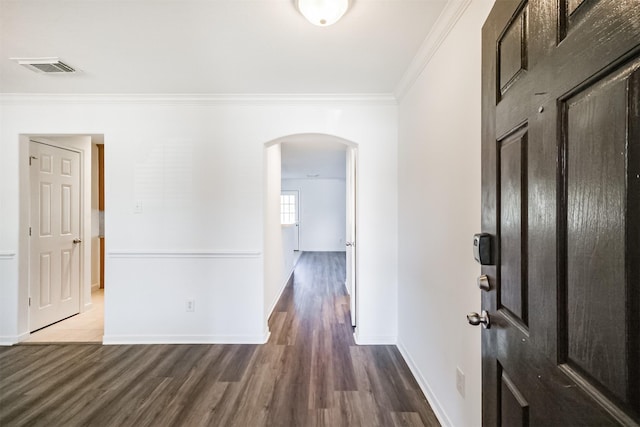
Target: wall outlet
[
  {"x": 460, "y": 381},
  {"x": 190, "y": 305}
]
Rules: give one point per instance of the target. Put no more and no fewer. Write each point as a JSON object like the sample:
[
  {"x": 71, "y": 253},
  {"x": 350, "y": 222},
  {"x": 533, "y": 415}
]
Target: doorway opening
[
  {"x": 62, "y": 269},
  {"x": 290, "y": 214},
  {"x": 313, "y": 177}
]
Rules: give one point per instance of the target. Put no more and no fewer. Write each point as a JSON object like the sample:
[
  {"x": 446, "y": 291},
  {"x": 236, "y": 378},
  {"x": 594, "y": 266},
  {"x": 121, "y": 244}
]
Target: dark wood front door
[{"x": 561, "y": 199}]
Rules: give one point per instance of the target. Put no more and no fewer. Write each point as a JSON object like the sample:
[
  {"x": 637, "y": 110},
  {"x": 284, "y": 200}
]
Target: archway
[{"x": 277, "y": 264}]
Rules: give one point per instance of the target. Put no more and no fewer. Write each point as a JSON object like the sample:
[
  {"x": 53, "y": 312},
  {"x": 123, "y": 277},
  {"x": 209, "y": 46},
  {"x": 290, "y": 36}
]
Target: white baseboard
[
  {"x": 13, "y": 339},
  {"x": 185, "y": 339},
  {"x": 424, "y": 386},
  {"x": 277, "y": 298}
]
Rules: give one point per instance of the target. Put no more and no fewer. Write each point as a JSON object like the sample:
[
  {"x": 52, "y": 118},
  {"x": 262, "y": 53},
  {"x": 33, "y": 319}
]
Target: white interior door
[
  {"x": 351, "y": 279},
  {"x": 54, "y": 285},
  {"x": 290, "y": 212}
]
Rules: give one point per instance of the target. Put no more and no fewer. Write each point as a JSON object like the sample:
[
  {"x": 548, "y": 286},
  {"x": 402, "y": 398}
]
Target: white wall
[
  {"x": 273, "y": 253},
  {"x": 439, "y": 211},
  {"x": 322, "y": 213},
  {"x": 195, "y": 168}
]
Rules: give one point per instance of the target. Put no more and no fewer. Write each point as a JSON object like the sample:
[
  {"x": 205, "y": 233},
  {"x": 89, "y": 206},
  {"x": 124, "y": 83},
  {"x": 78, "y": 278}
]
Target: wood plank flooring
[{"x": 310, "y": 373}]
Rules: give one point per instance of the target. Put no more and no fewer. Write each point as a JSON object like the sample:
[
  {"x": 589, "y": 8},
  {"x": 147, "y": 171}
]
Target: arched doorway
[{"x": 295, "y": 160}]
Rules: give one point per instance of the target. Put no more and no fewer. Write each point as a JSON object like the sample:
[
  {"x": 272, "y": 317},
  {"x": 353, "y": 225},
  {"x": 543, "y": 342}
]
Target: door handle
[
  {"x": 76, "y": 241},
  {"x": 350, "y": 243},
  {"x": 475, "y": 319}
]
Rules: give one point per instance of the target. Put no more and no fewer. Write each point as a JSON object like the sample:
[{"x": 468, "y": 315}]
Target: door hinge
[
  {"x": 29, "y": 301},
  {"x": 32, "y": 158},
  {"x": 29, "y": 231}
]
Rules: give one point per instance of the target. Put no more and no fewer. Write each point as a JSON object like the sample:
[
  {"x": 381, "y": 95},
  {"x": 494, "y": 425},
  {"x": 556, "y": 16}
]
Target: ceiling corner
[{"x": 452, "y": 11}]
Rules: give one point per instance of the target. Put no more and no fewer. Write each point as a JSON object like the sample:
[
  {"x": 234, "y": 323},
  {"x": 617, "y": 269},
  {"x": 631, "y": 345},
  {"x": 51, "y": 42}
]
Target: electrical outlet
[
  {"x": 190, "y": 305},
  {"x": 460, "y": 381}
]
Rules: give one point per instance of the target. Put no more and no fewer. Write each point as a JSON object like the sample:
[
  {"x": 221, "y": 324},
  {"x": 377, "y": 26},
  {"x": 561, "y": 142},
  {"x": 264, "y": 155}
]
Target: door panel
[
  {"x": 66, "y": 275},
  {"x": 595, "y": 174},
  {"x": 561, "y": 197},
  {"x": 45, "y": 209},
  {"x": 514, "y": 407},
  {"x": 44, "y": 282},
  {"x": 55, "y": 223},
  {"x": 512, "y": 157},
  {"x": 512, "y": 50},
  {"x": 65, "y": 210}
]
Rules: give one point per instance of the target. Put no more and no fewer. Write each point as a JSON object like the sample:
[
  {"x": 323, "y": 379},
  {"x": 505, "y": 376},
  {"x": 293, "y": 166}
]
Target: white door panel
[{"x": 290, "y": 212}]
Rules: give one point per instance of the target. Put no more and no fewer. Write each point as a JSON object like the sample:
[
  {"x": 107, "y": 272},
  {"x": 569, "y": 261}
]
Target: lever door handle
[
  {"x": 76, "y": 241},
  {"x": 350, "y": 244},
  {"x": 475, "y": 319}
]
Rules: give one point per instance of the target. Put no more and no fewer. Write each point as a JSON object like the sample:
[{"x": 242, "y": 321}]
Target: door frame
[
  {"x": 350, "y": 145},
  {"x": 60, "y": 141},
  {"x": 351, "y": 276}
]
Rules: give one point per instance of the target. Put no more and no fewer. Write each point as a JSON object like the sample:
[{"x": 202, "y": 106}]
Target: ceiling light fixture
[{"x": 323, "y": 12}]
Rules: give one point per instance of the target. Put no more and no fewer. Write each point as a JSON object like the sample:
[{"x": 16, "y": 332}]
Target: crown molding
[
  {"x": 199, "y": 99},
  {"x": 441, "y": 29}
]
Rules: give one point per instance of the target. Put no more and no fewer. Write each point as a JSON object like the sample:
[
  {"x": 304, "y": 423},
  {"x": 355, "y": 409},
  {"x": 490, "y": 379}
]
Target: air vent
[{"x": 45, "y": 65}]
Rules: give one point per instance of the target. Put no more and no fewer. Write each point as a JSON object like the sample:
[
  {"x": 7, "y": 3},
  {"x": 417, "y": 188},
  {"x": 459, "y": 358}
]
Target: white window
[{"x": 287, "y": 209}]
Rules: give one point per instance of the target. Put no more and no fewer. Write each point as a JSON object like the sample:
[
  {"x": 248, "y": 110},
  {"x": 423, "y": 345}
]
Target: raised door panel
[
  {"x": 512, "y": 51},
  {"x": 45, "y": 209},
  {"x": 600, "y": 285},
  {"x": 512, "y": 160},
  {"x": 514, "y": 408},
  {"x": 44, "y": 280}
]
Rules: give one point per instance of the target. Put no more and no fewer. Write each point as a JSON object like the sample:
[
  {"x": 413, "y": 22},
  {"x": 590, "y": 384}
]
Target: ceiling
[
  {"x": 210, "y": 46},
  {"x": 313, "y": 156},
  {"x": 217, "y": 47}
]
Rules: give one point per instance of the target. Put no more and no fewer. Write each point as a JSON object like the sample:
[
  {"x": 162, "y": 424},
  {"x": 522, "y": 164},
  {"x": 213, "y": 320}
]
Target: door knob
[
  {"x": 76, "y": 241},
  {"x": 475, "y": 319},
  {"x": 350, "y": 244}
]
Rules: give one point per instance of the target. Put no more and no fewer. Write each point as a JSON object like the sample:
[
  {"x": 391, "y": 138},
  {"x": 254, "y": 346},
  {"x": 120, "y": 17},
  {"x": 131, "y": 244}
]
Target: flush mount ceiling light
[{"x": 323, "y": 12}]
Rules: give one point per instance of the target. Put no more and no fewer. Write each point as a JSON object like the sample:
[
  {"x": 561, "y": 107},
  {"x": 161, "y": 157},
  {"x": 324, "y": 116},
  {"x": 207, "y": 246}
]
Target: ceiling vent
[{"x": 45, "y": 65}]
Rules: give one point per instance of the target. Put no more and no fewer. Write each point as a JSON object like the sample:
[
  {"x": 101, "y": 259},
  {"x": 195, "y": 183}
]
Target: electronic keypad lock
[{"x": 482, "y": 248}]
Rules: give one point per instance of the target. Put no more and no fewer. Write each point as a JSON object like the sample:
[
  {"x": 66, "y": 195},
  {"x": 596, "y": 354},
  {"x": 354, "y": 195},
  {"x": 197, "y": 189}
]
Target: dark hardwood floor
[{"x": 310, "y": 373}]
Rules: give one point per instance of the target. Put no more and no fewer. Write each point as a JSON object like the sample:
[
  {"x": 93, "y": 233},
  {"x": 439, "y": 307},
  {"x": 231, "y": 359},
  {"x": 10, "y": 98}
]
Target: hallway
[{"x": 310, "y": 373}]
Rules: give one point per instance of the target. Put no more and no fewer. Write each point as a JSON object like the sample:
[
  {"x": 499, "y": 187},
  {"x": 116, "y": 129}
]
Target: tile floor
[{"x": 83, "y": 327}]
